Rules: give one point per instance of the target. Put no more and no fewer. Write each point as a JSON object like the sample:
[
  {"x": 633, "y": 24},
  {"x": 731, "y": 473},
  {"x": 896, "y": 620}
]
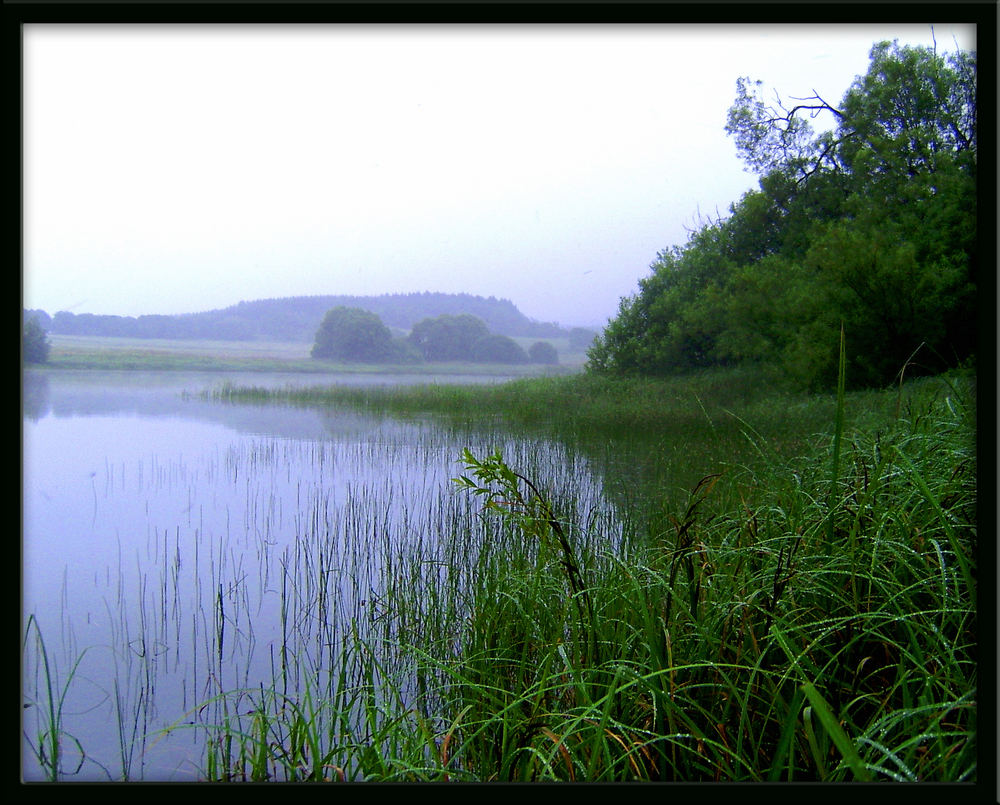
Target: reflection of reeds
[
  {"x": 47, "y": 705},
  {"x": 333, "y": 611}
]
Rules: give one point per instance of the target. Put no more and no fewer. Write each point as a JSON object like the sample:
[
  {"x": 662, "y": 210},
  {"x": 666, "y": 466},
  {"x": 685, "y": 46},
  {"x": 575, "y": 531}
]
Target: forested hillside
[
  {"x": 870, "y": 226},
  {"x": 298, "y": 318}
]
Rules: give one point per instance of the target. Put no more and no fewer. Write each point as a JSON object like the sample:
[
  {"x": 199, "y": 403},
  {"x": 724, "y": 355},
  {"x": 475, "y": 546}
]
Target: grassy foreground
[{"x": 809, "y": 615}]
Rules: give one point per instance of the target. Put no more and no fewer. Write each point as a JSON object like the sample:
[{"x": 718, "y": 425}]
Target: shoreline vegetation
[
  {"x": 795, "y": 600},
  {"x": 806, "y": 611},
  {"x": 778, "y": 580}
]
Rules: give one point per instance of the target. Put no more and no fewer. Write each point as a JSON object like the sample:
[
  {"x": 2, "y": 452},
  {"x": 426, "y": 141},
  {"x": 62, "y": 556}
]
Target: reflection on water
[
  {"x": 35, "y": 395},
  {"x": 181, "y": 546},
  {"x": 89, "y": 393}
]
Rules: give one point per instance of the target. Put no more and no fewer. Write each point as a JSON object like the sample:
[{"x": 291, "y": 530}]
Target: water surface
[{"x": 164, "y": 535}]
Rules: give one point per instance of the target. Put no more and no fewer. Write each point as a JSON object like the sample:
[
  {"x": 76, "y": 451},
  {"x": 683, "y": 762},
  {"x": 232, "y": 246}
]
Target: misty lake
[{"x": 177, "y": 547}]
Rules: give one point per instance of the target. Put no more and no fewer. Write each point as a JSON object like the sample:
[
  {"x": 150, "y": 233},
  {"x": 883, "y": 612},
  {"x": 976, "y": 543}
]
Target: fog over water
[{"x": 170, "y": 546}]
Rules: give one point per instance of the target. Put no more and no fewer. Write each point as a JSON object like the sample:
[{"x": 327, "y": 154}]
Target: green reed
[
  {"x": 764, "y": 614},
  {"x": 49, "y": 702},
  {"x": 739, "y": 642}
]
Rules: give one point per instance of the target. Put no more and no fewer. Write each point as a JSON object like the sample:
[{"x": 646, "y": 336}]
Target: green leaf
[{"x": 844, "y": 744}]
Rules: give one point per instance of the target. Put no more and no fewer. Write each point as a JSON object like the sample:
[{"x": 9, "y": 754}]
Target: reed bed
[
  {"x": 803, "y": 620},
  {"x": 742, "y": 643},
  {"x": 784, "y": 604}
]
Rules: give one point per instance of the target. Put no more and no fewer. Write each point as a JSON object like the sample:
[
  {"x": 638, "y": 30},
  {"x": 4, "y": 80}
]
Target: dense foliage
[
  {"x": 495, "y": 348},
  {"x": 35, "y": 343},
  {"x": 446, "y": 337},
  {"x": 352, "y": 334},
  {"x": 870, "y": 226},
  {"x": 543, "y": 352}
]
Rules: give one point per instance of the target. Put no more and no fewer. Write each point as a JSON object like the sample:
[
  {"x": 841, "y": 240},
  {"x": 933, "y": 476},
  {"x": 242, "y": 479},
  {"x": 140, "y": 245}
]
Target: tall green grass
[
  {"x": 50, "y": 734},
  {"x": 808, "y": 618},
  {"x": 770, "y": 587},
  {"x": 741, "y": 644}
]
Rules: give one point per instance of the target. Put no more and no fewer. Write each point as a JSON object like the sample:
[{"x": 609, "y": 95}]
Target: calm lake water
[{"x": 164, "y": 535}]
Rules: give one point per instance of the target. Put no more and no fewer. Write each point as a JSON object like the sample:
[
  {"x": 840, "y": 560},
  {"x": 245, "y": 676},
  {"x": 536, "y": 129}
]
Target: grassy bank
[
  {"x": 656, "y": 436},
  {"x": 580, "y": 403},
  {"x": 809, "y": 615}
]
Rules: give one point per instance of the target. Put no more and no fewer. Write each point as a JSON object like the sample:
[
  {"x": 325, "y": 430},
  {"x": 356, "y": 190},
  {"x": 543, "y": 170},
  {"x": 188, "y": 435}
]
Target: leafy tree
[
  {"x": 871, "y": 224},
  {"x": 639, "y": 340},
  {"x": 402, "y": 351},
  {"x": 447, "y": 337},
  {"x": 663, "y": 329},
  {"x": 44, "y": 319},
  {"x": 773, "y": 137},
  {"x": 35, "y": 342},
  {"x": 913, "y": 111},
  {"x": 543, "y": 352},
  {"x": 892, "y": 299},
  {"x": 352, "y": 334},
  {"x": 498, "y": 349}
]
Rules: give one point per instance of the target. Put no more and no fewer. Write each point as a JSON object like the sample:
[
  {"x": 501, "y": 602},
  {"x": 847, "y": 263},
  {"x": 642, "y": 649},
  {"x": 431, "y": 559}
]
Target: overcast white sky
[{"x": 175, "y": 169}]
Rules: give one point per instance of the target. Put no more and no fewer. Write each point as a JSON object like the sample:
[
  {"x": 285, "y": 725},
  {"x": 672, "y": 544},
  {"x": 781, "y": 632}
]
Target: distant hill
[{"x": 297, "y": 318}]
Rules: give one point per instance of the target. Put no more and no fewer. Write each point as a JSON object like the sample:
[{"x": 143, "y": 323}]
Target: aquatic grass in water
[
  {"x": 244, "y": 564},
  {"x": 418, "y": 637},
  {"x": 50, "y": 735},
  {"x": 741, "y": 643}
]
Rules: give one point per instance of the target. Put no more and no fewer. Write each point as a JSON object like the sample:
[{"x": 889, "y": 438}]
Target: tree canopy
[
  {"x": 447, "y": 337},
  {"x": 352, "y": 334},
  {"x": 35, "y": 343},
  {"x": 870, "y": 225},
  {"x": 543, "y": 352},
  {"x": 498, "y": 349}
]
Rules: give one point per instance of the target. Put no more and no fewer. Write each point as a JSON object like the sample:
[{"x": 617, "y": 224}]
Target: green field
[{"x": 109, "y": 353}]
